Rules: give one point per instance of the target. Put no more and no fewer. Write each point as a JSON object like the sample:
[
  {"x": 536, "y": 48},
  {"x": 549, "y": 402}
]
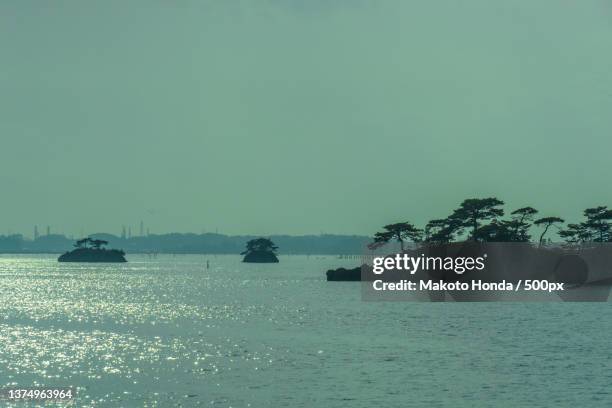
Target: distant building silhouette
[
  {"x": 129, "y": 232},
  {"x": 35, "y": 232},
  {"x": 48, "y": 230},
  {"x": 141, "y": 228},
  {"x": 123, "y": 233}
]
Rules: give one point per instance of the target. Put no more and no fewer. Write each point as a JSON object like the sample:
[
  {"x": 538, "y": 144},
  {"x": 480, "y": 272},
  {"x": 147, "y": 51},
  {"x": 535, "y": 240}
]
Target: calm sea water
[{"x": 169, "y": 332}]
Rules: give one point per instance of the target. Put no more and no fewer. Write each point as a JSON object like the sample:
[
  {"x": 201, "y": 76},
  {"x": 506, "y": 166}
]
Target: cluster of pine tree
[{"x": 481, "y": 219}]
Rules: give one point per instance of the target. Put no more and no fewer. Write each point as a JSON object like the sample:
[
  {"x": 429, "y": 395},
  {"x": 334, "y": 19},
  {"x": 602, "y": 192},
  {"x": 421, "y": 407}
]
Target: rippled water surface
[{"x": 166, "y": 331}]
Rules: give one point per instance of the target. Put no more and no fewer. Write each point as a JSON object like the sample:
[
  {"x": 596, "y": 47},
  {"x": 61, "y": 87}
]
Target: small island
[
  {"x": 343, "y": 274},
  {"x": 260, "y": 250},
  {"x": 91, "y": 250},
  {"x": 480, "y": 221}
]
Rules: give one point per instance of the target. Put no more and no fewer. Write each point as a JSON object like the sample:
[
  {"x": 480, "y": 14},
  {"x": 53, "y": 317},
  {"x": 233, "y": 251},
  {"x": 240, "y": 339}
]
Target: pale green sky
[{"x": 299, "y": 117}]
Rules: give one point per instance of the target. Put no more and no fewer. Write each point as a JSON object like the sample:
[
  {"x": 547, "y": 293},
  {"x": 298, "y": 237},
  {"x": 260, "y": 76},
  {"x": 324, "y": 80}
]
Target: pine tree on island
[{"x": 260, "y": 250}]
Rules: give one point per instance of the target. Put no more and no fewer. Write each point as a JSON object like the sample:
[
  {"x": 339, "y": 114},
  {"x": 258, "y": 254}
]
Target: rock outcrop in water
[
  {"x": 363, "y": 272},
  {"x": 260, "y": 250},
  {"x": 260, "y": 257},
  {"x": 343, "y": 274},
  {"x": 91, "y": 250}
]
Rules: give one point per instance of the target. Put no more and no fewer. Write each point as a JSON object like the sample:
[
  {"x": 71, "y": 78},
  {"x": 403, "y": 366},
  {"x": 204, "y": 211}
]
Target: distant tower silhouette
[
  {"x": 35, "y": 232},
  {"x": 148, "y": 232},
  {"x": 129, "y": 232},
  {"x": 48, "y": 230},
  {"x": 123, "y": 233},
  {"x": 141, "y": 228}
]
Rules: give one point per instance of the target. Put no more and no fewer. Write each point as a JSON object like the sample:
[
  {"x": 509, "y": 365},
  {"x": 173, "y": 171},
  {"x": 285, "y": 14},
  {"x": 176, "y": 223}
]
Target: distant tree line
[
  {"x": 186, "y": 243},
  {"x": 482, "y": 220}
]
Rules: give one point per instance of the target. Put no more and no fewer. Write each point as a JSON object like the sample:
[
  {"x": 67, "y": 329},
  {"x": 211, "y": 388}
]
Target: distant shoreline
[
  {"x": 175, "y": 243},
  {"x": 344, "y": 256}
]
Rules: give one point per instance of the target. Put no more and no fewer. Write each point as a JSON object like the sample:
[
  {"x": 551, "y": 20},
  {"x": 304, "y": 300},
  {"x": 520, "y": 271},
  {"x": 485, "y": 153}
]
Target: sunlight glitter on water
[{"x": 169, "y": 332}]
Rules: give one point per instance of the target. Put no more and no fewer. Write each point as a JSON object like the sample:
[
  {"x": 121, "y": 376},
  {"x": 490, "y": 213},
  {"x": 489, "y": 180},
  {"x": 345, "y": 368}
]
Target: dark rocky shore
[
  {"x": 346, "y": 275},
  {"x": 260, "y": 257}
]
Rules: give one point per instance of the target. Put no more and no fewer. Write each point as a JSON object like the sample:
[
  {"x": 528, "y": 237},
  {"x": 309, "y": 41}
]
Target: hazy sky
[{"x": 299, "y": 116}]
